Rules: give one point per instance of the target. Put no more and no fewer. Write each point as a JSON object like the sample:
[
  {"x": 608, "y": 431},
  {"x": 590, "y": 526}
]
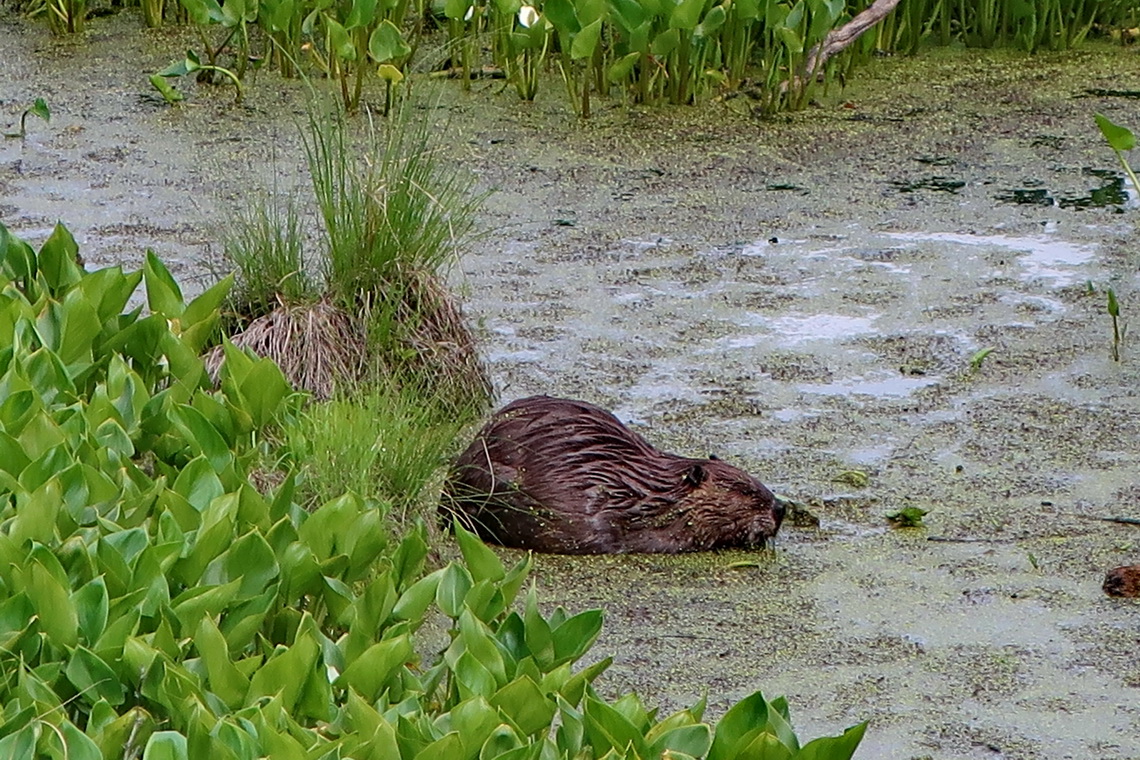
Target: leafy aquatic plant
[
  {"x": 155, "y": 603},
  {"x": 1117, "y": 329},
  {"x": 1121, "y": 140},
  {"x": 39, "y": 109},
  {"x": 192, "y": 64}
]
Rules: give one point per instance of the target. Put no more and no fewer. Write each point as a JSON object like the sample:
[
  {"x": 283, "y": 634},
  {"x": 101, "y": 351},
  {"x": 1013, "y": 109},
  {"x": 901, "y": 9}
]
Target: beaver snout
[{"x": 780, "y": 507}]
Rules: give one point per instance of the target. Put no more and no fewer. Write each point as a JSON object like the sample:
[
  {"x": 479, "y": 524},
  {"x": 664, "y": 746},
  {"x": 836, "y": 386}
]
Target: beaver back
[{"x": 563, "y": 476}]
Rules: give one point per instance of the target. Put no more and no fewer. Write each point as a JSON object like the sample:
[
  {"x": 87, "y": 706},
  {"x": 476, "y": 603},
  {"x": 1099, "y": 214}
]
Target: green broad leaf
[
  {"x": 449, "y": 747},
  {"x": 202, "y": 437},
  {"x": 686, "y": 14},
  {"x": 20, "y": 745},
  {"x": 224, "y": 680},
  {"x": 738, "y": 726},
  {"x": 340, "y": 41},
  {"x": 453, "y": 587},
  {"x": 166, "y": 745},
  {"x": 36, "y": 514},
  {"x": 203, "y": 12},
  {"x": 13, "y": 460},
  {"x": 326, "y": 531},
  {"x": 763, "y": 746},
  {"x": 163, "y": 295},
  {"x": 408, "y": 559},
  {"x": 169, "y": 92},
  {"x": 367, "y": 541},
  {"x": 413, "y": 603},
  {"x": 834, "y": 747},
  {"x": 574, "y": 637},
  {"x": 622, "y": 67},
  {"x": 473, "y": 678},
  {"x": 456, "y": 10},
  {"x": 362, "y": 13},
  {"x": 474, "y": 720},
  {"x": 16, "y": 619},
  {"x": 177, "y": 69},
  {"x": 590, "y": 11},
  {"x": 248, "y": 560},
  {"x": 285, "y": 673},
  {"x": 746, "y": 10},
  {"x": 387, "y": 43},
  {"x": 198, "y": 483},
  {"x": 40, "y": 108},
  {"x": 57, "y": 614},
  {"x": 244, "y": 621},
  {"x": 665, "y": 43},
  {"x": 76, "y": 744},
  {"x": 586, "y": 41},
  {"x": 91, "y": 608},
  {"x": 300, "y": 572},
  {"x": 264, "y": 388},
  {"x": 562, "y": 15},
  {"x": 476, "y": 640},
  {"x": 538, "y": 635},
  {"x": 607, "y": 729},
  {"x": 1119, "y": 138},
  {"x": 92, "y": 678},
  {"x": 712, "y": 22},
  {"x": 689, "y": 740},
  {"x": 203, "y": 313},
  {"x": 80, "y": 327},
  {"x": 111, "y": 436},
  {"x": 135, "y": 725},
  {"x": 628, "y": 14},
  {"x": 790, "y": 39},
  {"x": 369, "y": 673},
  {"x": 59, "y": 260},
  {"x": 195, "y": 603},
  {"x": 502, "y": 741},
  {"x": 575, "y": 688},
  {"x": 524, "y": 704},
  {"x": 481, "y": 561}
]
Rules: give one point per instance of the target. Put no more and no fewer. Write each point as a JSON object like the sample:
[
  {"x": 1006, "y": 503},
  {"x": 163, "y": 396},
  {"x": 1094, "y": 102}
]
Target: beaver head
[
  {"x": 718, "y": 506},
  {"x": 563, "y": 476}
]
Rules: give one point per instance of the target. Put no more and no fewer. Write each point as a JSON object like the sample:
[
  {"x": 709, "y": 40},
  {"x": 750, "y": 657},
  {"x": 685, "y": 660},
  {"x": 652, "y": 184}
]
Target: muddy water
[{"x": 802, "y": 297}]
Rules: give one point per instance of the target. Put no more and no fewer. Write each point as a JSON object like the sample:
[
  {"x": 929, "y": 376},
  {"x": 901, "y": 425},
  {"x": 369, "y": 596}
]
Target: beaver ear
[
  {"x": 695, "y": 475},
  {"x": 714, "y": 458}
]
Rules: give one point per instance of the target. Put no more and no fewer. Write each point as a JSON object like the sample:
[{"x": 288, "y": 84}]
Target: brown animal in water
[
  {"x": 566, "y": 477},
  {"x": 1123, "y": 581}
]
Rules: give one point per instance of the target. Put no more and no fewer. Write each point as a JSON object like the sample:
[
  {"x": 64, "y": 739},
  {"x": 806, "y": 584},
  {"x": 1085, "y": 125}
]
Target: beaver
[{"x": 566, "y": 477}]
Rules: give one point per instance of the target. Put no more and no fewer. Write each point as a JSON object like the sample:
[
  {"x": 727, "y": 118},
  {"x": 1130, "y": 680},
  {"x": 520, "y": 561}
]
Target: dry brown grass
[
  {"x": 317, "y": 346},
  {"x": 320, "y": 347}
]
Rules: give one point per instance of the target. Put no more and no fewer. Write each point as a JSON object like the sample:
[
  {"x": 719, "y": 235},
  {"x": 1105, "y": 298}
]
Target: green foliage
[
  {"x": 1121, "y": 140},
  {"x": 154, "y": 604},
  {"x": 265, "y": 245},
  {"x": 384, "y": 443},
  {"x": 907, "y": 517},
  {"x": 39, "y": 109}
]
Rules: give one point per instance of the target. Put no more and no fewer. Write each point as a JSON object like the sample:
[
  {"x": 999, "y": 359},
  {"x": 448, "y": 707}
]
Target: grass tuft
[{"x": 385, "y": 444}]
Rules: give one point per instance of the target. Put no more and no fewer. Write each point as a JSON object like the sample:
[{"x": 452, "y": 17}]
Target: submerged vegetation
[
  {"x": 156, "y": 602},
  {"x": 642, "y": 51}
]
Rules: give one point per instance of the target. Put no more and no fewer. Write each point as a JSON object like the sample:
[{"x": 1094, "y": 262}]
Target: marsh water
[{"x": 801, "y": 296}]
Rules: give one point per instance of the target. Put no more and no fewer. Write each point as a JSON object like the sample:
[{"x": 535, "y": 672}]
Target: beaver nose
[{"x": 780, "y": 507}]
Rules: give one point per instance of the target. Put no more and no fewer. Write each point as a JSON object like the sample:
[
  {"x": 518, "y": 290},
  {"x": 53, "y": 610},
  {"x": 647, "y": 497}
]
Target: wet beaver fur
[{"x": 566, "y": 477}]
